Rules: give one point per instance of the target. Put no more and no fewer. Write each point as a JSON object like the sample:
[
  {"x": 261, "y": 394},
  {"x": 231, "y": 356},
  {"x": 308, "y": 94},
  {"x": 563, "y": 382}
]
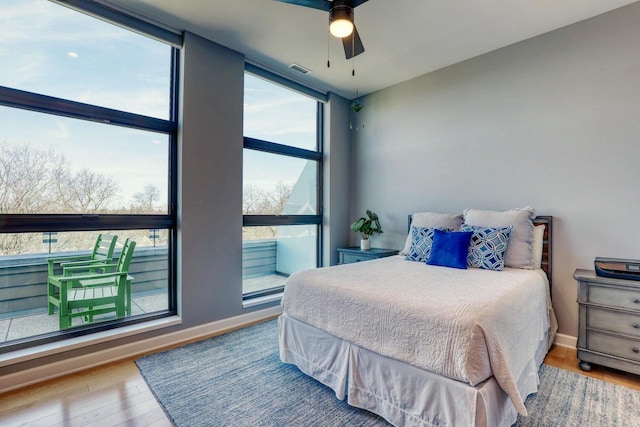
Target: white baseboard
[
  {"x": 68, "y": 366},
  {"x": 563, "y": 340}
]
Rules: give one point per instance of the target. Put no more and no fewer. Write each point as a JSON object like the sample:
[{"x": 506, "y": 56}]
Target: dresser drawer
[
  {"x": 615, "y": 297},
  {"x": 349, "y": 258},
  {"x": 616, "y": 346},
  {"x": 612, "y": 321}
]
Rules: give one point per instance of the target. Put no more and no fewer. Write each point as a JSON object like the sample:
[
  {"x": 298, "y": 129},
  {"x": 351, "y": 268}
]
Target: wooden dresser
[{"x": 609, "y": 322}]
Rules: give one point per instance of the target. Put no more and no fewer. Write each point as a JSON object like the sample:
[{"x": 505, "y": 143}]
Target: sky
[
  {"x": 276, "y": 114},
  {"x": 52, "y": 50}
]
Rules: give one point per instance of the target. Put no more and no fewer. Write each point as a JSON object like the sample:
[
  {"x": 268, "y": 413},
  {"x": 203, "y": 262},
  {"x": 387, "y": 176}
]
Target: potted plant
[{"x": 367, "y": 227}]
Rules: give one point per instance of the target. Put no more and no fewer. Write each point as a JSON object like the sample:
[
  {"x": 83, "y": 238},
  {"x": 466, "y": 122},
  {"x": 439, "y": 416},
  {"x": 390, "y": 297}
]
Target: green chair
[
  {"x": 90, "y": 294},
  {"x": 101, "y": 255}
]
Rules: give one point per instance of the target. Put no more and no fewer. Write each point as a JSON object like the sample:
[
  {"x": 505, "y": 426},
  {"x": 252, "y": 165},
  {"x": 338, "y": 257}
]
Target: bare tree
[
  {"x": 13, "y": 244},
  {"x": 25, "y": 175},
  {"x": 279, "y": 197},
  {"x": 145, "y": 201},
  {"x": 34, "y": 180},
  {"x": 256, "y": 201},
  {"x": 90, "y": 191},
  {"x": 253, "y": 198}
]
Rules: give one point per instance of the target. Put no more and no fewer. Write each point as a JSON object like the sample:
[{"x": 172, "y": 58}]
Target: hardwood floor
[
  {"x": 565, "y": 358},
  {"x": 110, "y": 395},
  {"x": 117, "y": 395}
]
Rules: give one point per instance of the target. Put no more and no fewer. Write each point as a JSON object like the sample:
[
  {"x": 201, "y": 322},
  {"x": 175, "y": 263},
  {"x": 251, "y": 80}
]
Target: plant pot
[{"x": 365, "y": 244}]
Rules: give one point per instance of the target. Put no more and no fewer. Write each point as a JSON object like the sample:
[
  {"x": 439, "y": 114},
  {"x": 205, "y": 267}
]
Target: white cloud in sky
[{"x": 61, "y": 132}]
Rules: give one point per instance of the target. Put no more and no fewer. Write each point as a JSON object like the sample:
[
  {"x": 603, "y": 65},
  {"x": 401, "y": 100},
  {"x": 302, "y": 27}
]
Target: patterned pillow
[
  {"x": 432, "y": 220},
  {"x": 487, "y": 247},
  {"x": 421, "y": 242},
  {"x": 520, "y": 251}
]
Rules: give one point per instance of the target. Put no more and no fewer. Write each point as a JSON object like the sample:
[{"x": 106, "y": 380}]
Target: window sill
[
  {"x": 252, "y": 302},
  {"x": 18, "y": 356}
]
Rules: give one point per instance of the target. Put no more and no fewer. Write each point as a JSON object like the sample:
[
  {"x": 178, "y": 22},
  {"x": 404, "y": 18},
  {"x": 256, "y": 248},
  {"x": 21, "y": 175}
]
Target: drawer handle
[
  {"x": 636, "y": 300},
  {"x": 636, "y": 349},
  {"x": 635, "y": 325}
]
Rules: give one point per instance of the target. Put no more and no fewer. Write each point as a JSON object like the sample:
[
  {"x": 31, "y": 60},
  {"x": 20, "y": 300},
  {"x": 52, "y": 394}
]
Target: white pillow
[
  {"x": 538, "y": 237},
  {"x": 432, "y": 220},
  {"x": 519, "y": 253}
]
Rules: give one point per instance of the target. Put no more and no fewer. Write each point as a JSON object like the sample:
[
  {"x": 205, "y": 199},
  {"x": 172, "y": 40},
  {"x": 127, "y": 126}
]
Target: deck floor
[
  {"x": 25, "y": 325},
  {"x": 33, "y": 324}
]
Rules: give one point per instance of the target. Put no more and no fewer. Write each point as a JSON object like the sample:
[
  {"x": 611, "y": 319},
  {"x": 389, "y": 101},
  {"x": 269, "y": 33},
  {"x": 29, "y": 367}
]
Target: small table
[
  {"x": 608, "y": 322},
  {"x": 355, "y": 254}
]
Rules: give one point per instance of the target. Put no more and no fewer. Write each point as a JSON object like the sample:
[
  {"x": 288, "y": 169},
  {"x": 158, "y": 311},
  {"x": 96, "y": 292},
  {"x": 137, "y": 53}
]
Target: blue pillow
[
  {"x": 488, "y": 246},
  {"x": 450, "y": 249},
  {"x": 421, "y": 242}
]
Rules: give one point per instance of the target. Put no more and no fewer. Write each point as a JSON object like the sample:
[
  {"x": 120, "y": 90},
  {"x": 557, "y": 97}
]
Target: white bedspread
[{"x": 462, "y": 324}]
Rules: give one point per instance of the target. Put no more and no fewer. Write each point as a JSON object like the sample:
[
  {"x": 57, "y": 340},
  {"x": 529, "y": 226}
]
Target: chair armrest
[
  {"x": 60, "y": 260},
  {"x": 84, "y": 262},
  {"x": 68, "y": 258},
  {"x": 74, "y": 269},
  {"x": 91, "y": 276}
]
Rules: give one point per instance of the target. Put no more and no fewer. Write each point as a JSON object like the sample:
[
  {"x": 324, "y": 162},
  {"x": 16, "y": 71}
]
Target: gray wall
[
  {"x": 210, "y": 220},
  {"x": 552, "y": 122},
  {"x": 336, "y": 163}
]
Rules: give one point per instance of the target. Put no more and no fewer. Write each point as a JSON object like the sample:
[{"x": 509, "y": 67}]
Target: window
[
  {"x": 281, "y": 201},
  {"x": 87, "y": 147}
]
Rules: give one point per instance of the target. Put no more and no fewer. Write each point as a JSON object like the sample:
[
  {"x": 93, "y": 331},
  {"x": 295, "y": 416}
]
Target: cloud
[{"x": 61, "y": 131}]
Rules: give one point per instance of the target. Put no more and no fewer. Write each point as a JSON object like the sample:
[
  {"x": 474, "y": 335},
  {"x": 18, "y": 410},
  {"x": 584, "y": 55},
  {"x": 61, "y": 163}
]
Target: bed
[{"x": 385, "y": 336}]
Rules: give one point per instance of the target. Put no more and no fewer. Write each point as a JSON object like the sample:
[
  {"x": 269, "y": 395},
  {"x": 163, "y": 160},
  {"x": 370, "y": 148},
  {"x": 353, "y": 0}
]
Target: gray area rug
[
  {"x": 237, "y": 379},
  {"x": 565, "y": 398}
]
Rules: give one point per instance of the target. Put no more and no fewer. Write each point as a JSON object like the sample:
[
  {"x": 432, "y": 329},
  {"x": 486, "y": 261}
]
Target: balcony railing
[{"x": 23, "y": 278}]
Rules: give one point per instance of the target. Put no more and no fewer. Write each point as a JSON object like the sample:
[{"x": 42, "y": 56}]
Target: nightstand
[
  {"x": 355, "y": 254},
  {"x": 609, "y": 322}
]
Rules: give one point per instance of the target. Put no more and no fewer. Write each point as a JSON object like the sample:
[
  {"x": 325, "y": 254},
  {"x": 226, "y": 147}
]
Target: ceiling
[{"x": 403, "y": 38}]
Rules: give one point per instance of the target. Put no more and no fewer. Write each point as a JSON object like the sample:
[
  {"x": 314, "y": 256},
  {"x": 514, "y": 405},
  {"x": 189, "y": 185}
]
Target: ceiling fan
[{"x": 341, "y": 23}]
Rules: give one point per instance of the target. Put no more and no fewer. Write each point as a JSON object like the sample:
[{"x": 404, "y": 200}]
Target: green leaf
[{"x": 367, "y": 226}]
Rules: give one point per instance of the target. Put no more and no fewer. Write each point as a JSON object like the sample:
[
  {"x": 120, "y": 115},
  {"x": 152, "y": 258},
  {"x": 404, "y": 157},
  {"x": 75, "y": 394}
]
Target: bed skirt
[{"x": 402, "y": 394}]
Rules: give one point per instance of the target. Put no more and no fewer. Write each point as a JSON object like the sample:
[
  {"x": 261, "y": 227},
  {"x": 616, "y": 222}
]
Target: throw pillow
[
  {"x": 432, "y": 220},
  {"x": 519, "y": 253},
  {"x": 450, "y": 249},
  {"x": 421, "y": 242},
  {"x": 487, "y": 247}
]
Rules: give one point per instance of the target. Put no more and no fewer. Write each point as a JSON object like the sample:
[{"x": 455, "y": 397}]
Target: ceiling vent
[{"x": 300, "y": 68}]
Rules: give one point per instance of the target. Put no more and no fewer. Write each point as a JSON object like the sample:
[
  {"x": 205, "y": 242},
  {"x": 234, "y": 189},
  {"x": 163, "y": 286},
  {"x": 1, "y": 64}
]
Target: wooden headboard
[{"x": 546, "y": 243}]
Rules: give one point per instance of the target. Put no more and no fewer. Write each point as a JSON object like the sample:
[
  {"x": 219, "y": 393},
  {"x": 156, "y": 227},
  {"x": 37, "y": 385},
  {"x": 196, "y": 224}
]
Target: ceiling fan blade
[
  {"x": 357, "y": 2},
  {"x": 314, "y": 4},
  {"x": 352, "y": 44}
]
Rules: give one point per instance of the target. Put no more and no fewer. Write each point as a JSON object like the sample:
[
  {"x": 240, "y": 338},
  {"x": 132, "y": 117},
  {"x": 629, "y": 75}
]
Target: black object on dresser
[
  {"x": 355, "y": 254},
  {"x": 609, "y": 322}
]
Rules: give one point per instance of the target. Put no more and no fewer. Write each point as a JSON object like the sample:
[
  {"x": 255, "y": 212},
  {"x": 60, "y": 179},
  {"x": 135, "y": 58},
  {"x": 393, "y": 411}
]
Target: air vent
[{"x": 300, "y": 68}]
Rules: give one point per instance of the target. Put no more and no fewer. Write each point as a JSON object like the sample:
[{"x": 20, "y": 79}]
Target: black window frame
[
  {"x": 29, "y": 223},
  {"x": 256, "y": 144}
]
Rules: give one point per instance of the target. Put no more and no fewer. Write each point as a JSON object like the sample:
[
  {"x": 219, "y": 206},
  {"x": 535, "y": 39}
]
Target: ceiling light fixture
[{"x": 341, "y": 20}]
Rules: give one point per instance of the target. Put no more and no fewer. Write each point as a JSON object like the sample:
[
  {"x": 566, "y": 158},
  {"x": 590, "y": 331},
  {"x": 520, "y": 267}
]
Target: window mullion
[
  {"x": 48, "y": 104},
  {"x": 19, "y": 223},
  {"x": 285, "y": 150}
]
